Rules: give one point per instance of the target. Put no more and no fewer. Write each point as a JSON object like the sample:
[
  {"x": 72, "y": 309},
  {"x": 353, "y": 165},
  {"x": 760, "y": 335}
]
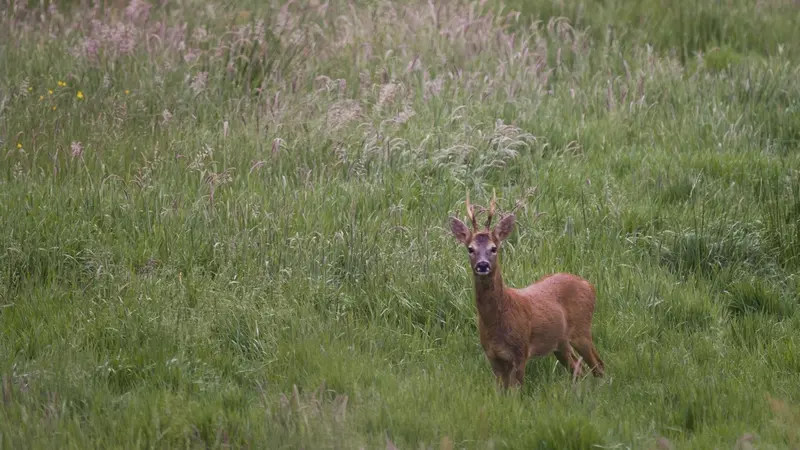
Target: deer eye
[
  {"x": 494, "y": 250},
  {"x": 471, "y": 249}
]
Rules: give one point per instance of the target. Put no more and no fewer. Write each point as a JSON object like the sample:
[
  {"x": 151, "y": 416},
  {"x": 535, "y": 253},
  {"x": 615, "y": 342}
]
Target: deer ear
[
  {"x": 505, "y": 227},
  {"x": 460, "y": 231}
]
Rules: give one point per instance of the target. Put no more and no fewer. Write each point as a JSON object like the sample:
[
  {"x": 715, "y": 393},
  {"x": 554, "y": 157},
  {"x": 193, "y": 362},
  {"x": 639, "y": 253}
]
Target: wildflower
[
  {"x": 41, "y": 97},
  {"x": 18, "y": 171},
  {"x": 91, "y": 47},
  {"x": 19, "y": 145},
  {"x": 256, "y": 165},
  {"x": 434, "y": 87},
  {"x": 79, "y": 95},
  {"x": 343, "y": 112},
  {"x": 25, "y": 87},
  {"x": 124, "y": 37},
  {"x": 127, "y": 92},
  {"x": 405, "y": 115},
  {"x": 77, "y": 149},
  {"x": 61, "y": 84},
  {"x": 388, "y": 93},
  {"x": 199, "y": 161},
  {"x": 277, "y": 143},
  {"x": 50, "y": 91},
  {"x": 199, "y": 82},
  {"x": 191, "y": 55},
  {"x": 199, "y": 34},
  {"x": 54, "y": 107},
  {"x": 138, "y": 11}
]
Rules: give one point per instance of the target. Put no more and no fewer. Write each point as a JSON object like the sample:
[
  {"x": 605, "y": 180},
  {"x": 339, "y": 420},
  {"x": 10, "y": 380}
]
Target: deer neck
[{"x": 490, "y": 295}]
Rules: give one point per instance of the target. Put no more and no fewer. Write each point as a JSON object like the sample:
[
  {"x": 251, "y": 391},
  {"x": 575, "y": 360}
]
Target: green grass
[{"x": 236, "y": 235}]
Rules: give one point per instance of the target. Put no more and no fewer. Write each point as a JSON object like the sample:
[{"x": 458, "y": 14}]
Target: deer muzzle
[{"x": 483, "y": 267}]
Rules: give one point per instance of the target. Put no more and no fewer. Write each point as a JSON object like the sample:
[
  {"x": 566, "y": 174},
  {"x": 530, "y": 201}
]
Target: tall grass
[{"x": 224, "y": 225}]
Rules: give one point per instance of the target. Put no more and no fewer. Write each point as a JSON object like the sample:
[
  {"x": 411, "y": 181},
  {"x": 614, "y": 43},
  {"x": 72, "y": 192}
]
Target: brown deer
[{"x": 552, "y": 315}]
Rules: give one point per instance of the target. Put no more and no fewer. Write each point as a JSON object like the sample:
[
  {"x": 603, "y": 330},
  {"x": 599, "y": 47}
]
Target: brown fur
[{"x": 552, "y": 315}]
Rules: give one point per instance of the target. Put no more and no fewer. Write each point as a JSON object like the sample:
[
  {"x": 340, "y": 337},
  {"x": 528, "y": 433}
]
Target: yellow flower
[
  {"x": 19, "y": 145},
  {"x": 50, "y": 91},
  {"x": 61, "y": 83},
  {"x": 30, "y": 89},
  {"x": 127, "y": 92},
  {"x": 79, "y": 95},
  {"x": 41, "y": 97},
  {"x": 54, "y": 107}
]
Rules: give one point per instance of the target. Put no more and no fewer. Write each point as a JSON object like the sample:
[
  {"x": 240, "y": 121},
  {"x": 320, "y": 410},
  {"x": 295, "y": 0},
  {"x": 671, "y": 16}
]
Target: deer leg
[
  {"x": 588, "y": 352},
  {"x": 519, "y": 372},
  {"x": 502, "y": 371},
  {"x": 600, "y": 365},
  {"x": 565, "y": 356}
]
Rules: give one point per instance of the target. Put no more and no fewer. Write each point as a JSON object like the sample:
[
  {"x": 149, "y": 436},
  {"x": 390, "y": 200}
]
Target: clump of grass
[
  {"x": 685, "y": 28},
  {"x": 671, "y": 190},
  {"x": 708, "y": 252},
  {"x": 759, "y": 296},
  {"x": 685, "y": 310},
  {"x": 788, "y": 418},
  {"x": 782, "y": 219},
  {"x": 298, "y": 415},
  {"x": 721, "y": 59},
  {"x": 641, "y": 220},
  {"x": 564, "y": 432}
]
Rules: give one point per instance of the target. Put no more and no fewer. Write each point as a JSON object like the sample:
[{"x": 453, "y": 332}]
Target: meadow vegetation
[{"x": 224, "y": 224}]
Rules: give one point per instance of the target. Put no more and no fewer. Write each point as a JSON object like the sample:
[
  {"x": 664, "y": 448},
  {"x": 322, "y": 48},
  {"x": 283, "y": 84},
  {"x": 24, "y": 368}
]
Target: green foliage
[{"x": 225, "y": 225}]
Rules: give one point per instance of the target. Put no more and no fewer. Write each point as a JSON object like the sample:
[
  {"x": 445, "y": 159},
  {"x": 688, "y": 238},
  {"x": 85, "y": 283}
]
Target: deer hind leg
[
  {"x": 586, "y": 349},
  {"x": 565, "y": 355}
]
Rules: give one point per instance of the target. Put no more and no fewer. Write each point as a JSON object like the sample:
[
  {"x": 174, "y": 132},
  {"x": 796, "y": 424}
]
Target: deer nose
[{"x": 482, "y": 267}]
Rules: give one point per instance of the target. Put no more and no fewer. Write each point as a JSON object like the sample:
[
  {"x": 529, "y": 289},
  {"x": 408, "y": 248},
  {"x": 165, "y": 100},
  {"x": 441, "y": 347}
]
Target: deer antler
[
  {"x": 471, "y": 214},
  {"x": 492, "y": 207}
]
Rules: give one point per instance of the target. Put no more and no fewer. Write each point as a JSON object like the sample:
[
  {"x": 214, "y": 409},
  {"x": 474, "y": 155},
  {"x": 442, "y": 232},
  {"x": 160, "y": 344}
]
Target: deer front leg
[
  {"x": 519, "y": 372},
  {"x": 566, "y": 356},
  {"x": 502, "y": 371}
]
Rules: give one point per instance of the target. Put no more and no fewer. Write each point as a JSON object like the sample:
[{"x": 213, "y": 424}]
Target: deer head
[{"x": 484, "y": 244}]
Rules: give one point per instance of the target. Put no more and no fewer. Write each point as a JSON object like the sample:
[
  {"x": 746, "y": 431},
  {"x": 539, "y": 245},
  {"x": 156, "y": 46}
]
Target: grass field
[{"x": 224, "y": 224}]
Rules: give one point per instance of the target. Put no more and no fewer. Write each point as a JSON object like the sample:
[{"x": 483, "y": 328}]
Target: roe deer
[{"x": 552, "y": 315}]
